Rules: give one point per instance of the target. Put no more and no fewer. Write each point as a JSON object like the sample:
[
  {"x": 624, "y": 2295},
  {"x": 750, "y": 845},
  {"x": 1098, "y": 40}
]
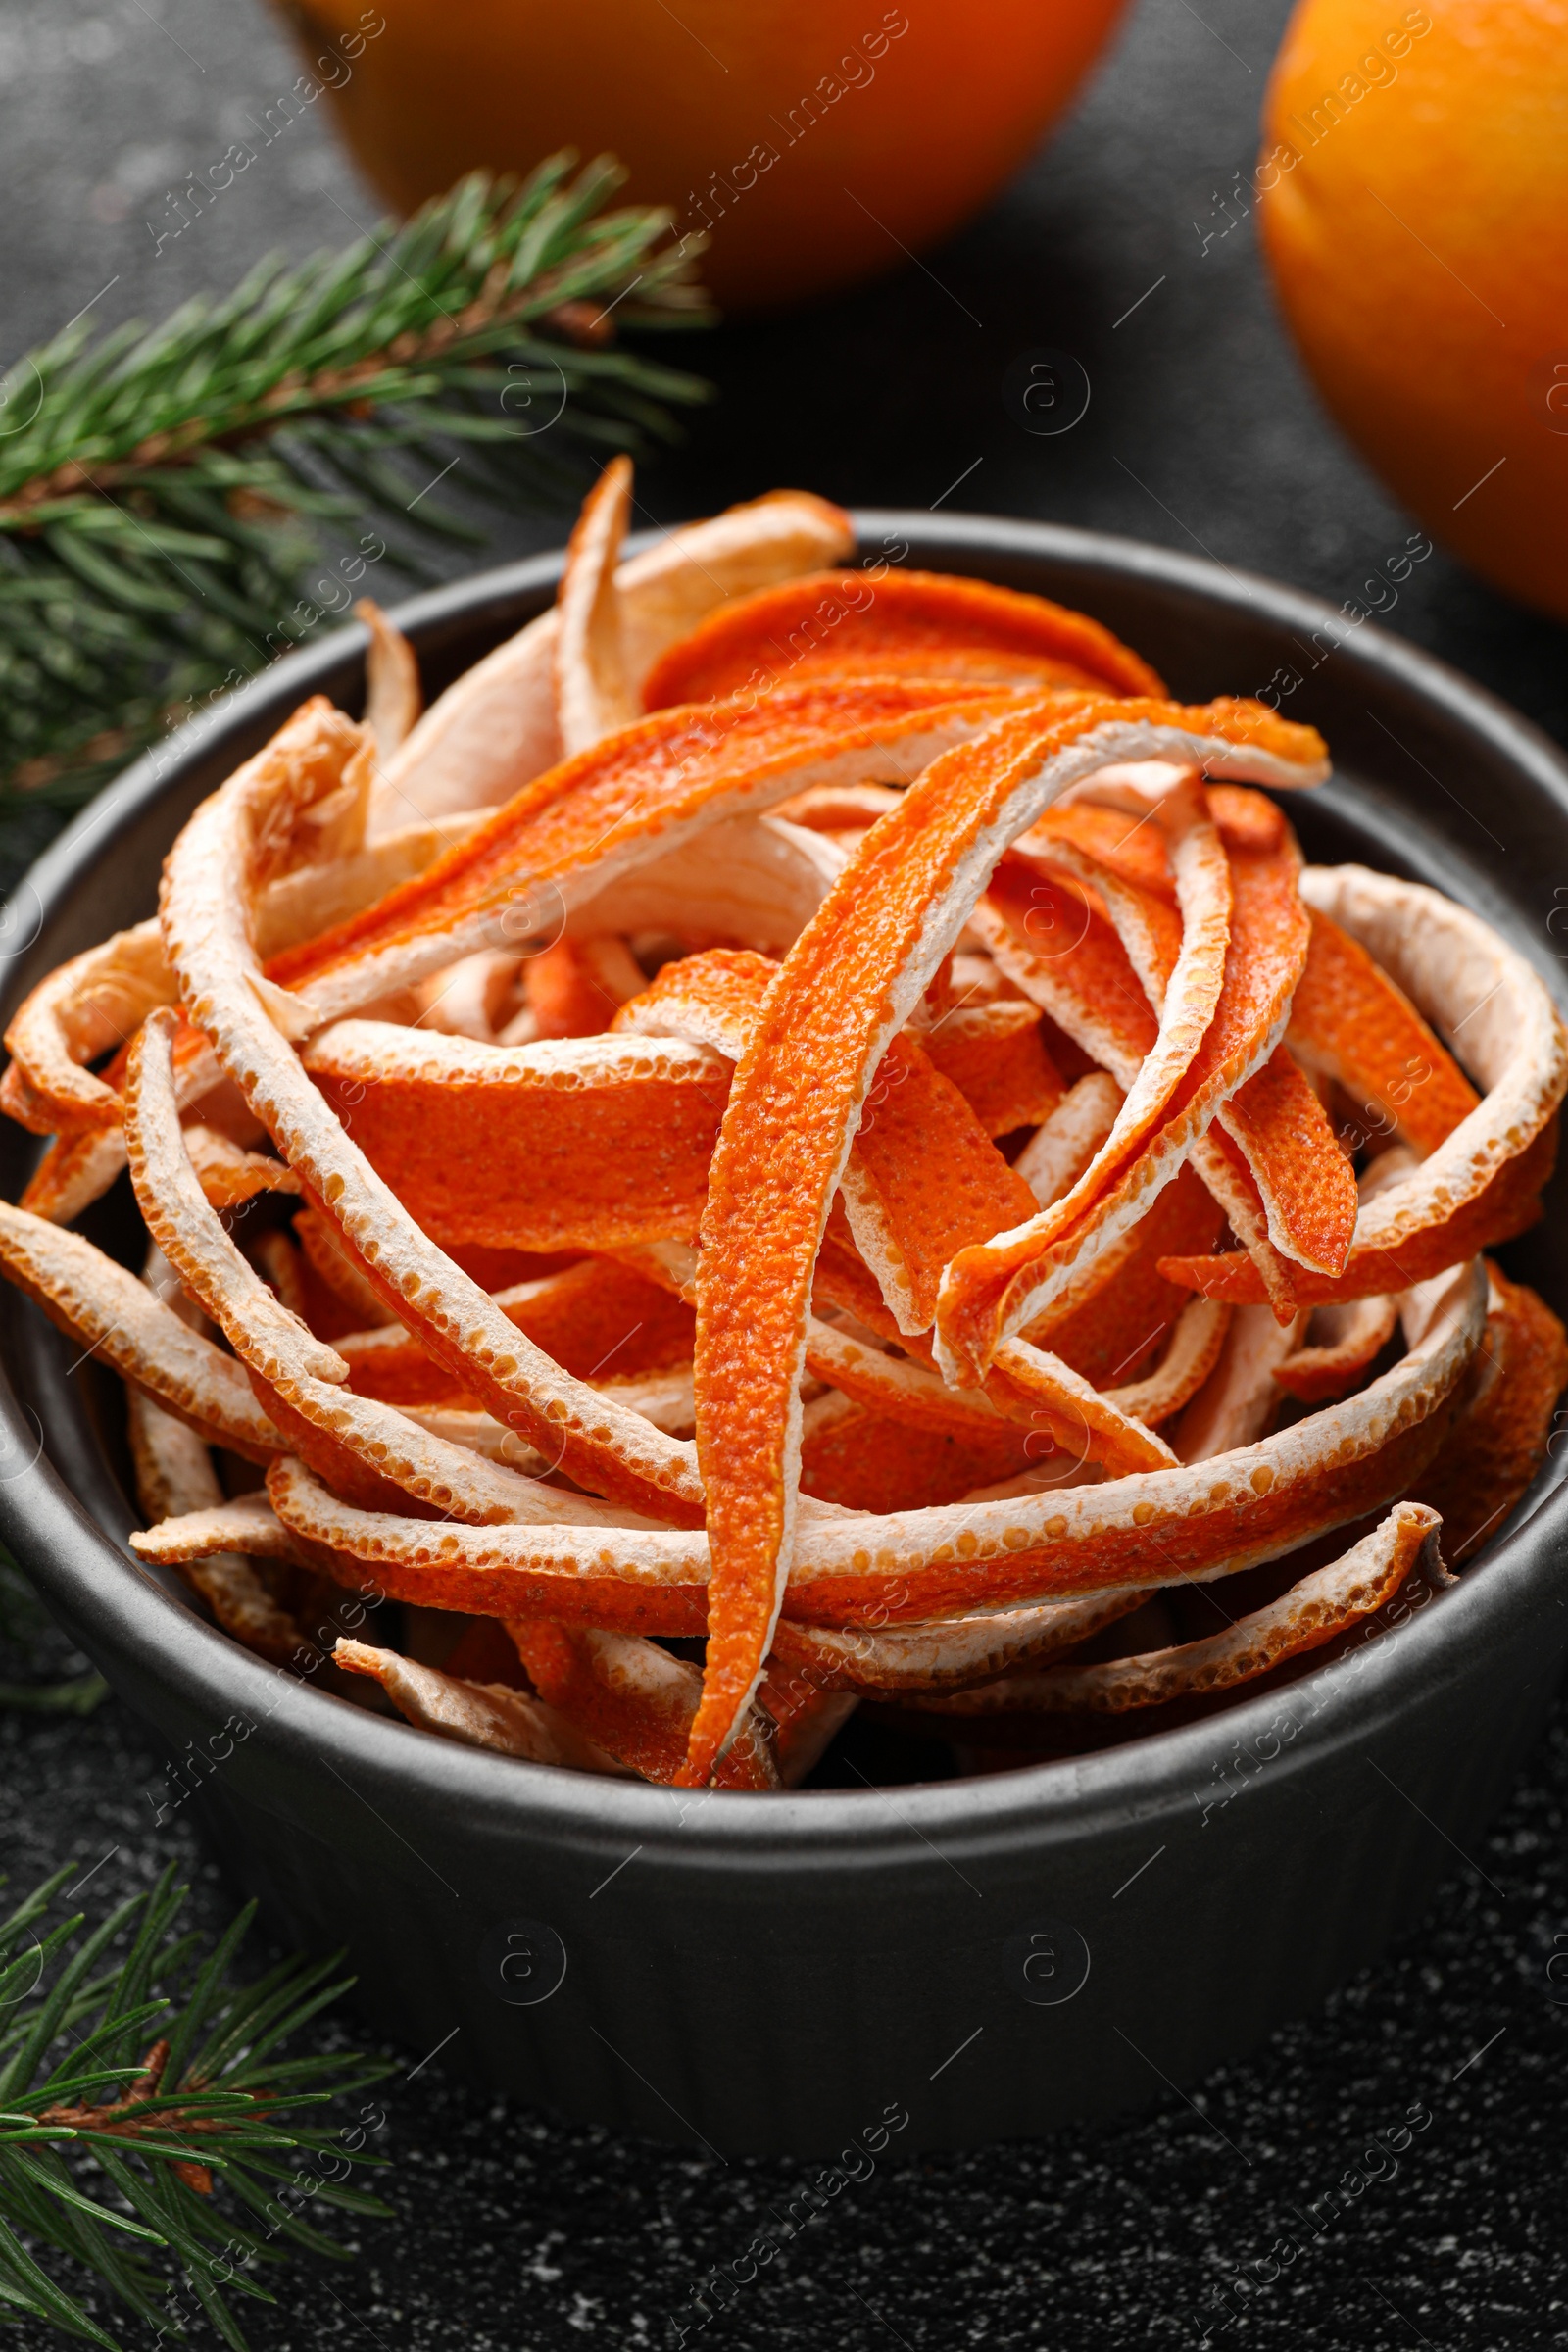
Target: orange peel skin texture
[
  {"x": 1067, "y": 959},
  {"x": 597, "y": 1319},
  {"x": 999, "y": 1063},
  {"x": 1351, "y": 1021},
  {"x": 923, "y": 1179},
  {"x": 1306, "y": 1182},
  {"x": 846, "y": 986},
  {"x": 1111, "y": 1337},
  {"x": 847, "y": 622},
  {"x": 581, "y": 1143}
]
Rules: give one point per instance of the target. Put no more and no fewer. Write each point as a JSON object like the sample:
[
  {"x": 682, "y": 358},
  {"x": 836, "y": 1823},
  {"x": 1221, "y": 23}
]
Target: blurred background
[{"x": 929, "y": 305}]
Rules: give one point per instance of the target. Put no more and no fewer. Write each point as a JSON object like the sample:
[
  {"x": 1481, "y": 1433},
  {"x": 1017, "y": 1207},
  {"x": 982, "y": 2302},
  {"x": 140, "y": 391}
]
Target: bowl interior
[{"x": 1432, "y": 781}]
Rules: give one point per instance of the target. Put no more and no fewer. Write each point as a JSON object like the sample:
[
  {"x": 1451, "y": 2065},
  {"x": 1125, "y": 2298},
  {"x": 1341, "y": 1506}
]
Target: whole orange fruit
[
  {"x": 1415, "y": 206},
  {"x": 817, "y": 138}
]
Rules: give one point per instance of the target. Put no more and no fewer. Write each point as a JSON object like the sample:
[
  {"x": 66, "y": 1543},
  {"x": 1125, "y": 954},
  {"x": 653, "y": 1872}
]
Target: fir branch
[
  {"x": 126, "y": 2047},
  {"x": 162, "y": 498}
]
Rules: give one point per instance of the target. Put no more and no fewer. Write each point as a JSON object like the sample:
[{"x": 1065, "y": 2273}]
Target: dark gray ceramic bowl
[{"x": 989, "y": 1956}]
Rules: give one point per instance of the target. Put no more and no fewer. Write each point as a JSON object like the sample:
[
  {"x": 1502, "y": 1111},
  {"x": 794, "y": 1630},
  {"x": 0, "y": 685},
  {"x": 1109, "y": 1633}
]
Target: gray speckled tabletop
[{"x": 1201, "y": 434}]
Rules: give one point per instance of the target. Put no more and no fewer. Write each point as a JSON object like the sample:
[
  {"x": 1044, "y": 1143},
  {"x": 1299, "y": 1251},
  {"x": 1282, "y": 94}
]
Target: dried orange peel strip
[
  {"x": 1302, "y": 1193},
  {"x": 1149, "y": 925},
  {"x": 598, "y": 1319},
  {"x": 645, "y": 1579},
  {"x": 1242, "y": 1400},
  {"x": 207, "y": 883},
  {"x": 54, "y": 1032},
  {"x": 1478, "y": 1183},
  {"x": 99, "y": 998},
  {"x": 581, "y": 1142},
  {"x": 1120, "y": 1327},
  {"x": 846, "y": 989},
  {"x": 117, "y": 1320},
  {"x": 922, "y": 1177},
  {"x": 1342, "y": 1341},
  {"x": 948, "y": 1651},
  {"x": 245, "y": 1524},
  {"x": 846, "y": 621},
  {"x": 864, "y": 1462},
  {"x": 593, "y": 692},
  {"x": 1064, "y": 955},
  {"x": 998, "y": 1059},
  {"x": 486, "y": 1715},
  {"x": 1192, "y": 1355},
  {"x": 635, "y": 1700},
  {"x": 1208, "y": 1518},
  {"x": 1503, "y": 1426},
  {"x": 1027, "y": 1388},
  {"x": 1323, "y": 1604},
  {"x": 838, "y": 807},
  {"x": 77, "y": 1012},
  {"x": 230, "y": 1176},
  {"x": 639, "y": 794},
  {"x": 1030, "y": 1386},
  {"x": 1479, "y": 992},
  {"x": 495, "y": 728},
  {"x": 1306, "y": 1182},
  {"x": 1349, "y": 1021},
  {"x": 1064, "y": 1145},
  {"x": 1509, "y": 1204},
  {"x": 175, "y": 1478},
  {"x": 750, "y": 881},
  {"x": 392, "y": 694},
  {"x": 318, "y": 1238},
  {"x": 1292, "y": 1198}
]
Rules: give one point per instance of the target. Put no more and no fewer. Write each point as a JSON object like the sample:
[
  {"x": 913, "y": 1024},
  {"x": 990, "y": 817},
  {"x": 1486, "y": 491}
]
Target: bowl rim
[{"x": 1067, "y": 1801}]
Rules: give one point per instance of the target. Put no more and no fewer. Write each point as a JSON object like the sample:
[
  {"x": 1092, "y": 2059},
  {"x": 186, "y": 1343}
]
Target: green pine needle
[
  {"x": 166, "y": 490},
  {"x": 142, "y": 2132}
]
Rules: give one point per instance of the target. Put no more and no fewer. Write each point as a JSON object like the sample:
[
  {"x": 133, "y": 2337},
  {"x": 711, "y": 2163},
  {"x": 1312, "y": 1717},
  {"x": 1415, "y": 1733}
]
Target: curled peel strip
[
  {"x": 1323, "y": 1604},
  {"x": 849, "y": 984},
  {"x": 207, "y": 888},
  {"x": 1480, "y": 1181},
  {"x": 120, "y": 1322},
  {"x": 475, "y": 1714}
]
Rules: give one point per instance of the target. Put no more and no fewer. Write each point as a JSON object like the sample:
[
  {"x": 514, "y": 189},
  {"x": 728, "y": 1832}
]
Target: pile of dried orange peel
[{"x": 802, "y": 1137}]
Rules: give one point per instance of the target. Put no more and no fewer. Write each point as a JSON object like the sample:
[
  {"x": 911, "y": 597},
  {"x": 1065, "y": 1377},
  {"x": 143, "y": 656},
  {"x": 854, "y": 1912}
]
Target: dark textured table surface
[{"x": 1200, "y": 433}]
